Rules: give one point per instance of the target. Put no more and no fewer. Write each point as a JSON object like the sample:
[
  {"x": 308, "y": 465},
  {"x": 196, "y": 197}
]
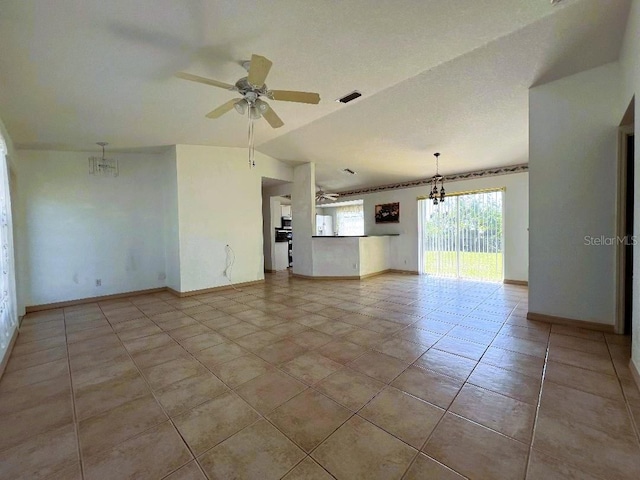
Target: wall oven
[{"x": 283, "y": 235}]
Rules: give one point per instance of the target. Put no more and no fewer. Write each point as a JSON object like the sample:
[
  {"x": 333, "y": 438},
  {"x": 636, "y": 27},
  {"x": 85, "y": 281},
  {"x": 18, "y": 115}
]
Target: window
[
  {"x": 8, "y": 313},
  {"x": 350, "y": 220}
]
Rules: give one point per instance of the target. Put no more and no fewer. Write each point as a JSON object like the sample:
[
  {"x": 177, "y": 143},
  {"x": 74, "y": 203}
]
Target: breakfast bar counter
[{"x": 352, "y": 257}]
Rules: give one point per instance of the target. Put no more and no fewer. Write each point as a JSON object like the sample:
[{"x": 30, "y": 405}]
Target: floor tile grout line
[
  {"x": 448, "y": 410},
  {"x": 537, "y": 414},
  {"x": 154, "y": 397},
  {"x": 634, "y": 425},
  {"x": 308, "y": 387},
  {"x": 76, "y": 422},
  {"x": 262, "y": 417}
]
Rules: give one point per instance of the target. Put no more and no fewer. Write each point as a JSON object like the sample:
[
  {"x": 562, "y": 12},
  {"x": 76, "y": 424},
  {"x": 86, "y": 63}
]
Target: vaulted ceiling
[{"x": 436, "y": 75}]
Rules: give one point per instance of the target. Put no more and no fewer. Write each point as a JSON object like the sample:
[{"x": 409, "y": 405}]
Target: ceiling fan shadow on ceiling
[
  {"x": 322, "y": 196},
  {"x": 252, "y": 90}
]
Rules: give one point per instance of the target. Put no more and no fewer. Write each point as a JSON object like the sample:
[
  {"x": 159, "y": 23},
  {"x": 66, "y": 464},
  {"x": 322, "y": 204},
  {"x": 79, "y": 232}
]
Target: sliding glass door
[
  {"x": 462, "y": 237},
  {"x": 8, "y": 310}
]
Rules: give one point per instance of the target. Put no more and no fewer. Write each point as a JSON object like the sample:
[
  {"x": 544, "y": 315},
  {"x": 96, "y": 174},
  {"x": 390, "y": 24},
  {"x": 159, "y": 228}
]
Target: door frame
[{"x": 624, "y": 132}]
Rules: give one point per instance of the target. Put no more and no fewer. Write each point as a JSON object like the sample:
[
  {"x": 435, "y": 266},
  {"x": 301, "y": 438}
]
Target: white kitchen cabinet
[
  {"x": 286, "y": 210},
  {"x": 282, "y": 256}
]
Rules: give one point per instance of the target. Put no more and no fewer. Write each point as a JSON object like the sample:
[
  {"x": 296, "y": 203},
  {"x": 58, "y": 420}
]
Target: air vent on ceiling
[
  {"x": 349, "y": 171},
  {"x": 349, "y": 97}
]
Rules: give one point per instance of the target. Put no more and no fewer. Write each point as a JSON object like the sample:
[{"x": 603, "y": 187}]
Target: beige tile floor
[{"x": 393, "y": 377}]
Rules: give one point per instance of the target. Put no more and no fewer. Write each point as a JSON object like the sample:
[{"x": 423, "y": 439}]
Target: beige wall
[
  {"x": 573, "y": 173},
  {"x": 630, "y": 66},
  {"x": 78, "y": 227},
  {"x": 220, "y": 204}
]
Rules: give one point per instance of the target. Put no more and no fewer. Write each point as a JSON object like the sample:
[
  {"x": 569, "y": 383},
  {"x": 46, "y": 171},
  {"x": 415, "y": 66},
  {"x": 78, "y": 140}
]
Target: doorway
[
  {"x": 628, "y": 264},
  {"x": 626, "y": 238},
  {"x": 277, "y": 227},
  {"x": 463, "y": 236}
]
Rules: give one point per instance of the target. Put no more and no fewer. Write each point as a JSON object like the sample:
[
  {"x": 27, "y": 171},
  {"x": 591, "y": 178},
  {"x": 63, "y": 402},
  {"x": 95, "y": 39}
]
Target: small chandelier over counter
[
  {"x": 434, "y": 194},
  {"x": 105, "y": 167}
]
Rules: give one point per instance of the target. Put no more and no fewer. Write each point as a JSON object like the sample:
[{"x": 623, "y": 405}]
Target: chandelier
[
  {"x": 434, "y": 194},
  {"x": 103, "y": 166}
]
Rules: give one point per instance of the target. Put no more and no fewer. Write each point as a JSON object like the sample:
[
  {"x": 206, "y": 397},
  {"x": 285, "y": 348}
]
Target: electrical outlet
[
  {"x": 98, "y": 282},
  {"x": 162, "y": 276}
]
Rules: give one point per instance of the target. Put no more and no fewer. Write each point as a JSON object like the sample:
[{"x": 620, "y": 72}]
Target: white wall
[
  {"x": 350, "y": 256},
  {"x": 171, "y": 223},
  {"x": 404, "y": 248},
  {"x": 630, "y": 66},
  {"x": 374, "y": 254},
  {"x": 572, "y": 171},
  {"x": 219, "y": 204},
  {"x": 303, "y": 204},
  {"x": 80, "y": 227},
  {"x": 335, "y": 257}
]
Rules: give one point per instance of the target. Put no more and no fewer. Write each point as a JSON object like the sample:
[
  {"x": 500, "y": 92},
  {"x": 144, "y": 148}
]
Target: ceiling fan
[
  {"x": 251, "y": 88},
  {"x": 322, "y": 196}
]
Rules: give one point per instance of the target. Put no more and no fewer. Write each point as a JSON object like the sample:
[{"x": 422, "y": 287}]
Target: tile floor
[{"x": 393, "y": 377}]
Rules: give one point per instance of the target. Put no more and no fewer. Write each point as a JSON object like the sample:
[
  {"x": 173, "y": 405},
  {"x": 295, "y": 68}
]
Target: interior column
[{"x": 303, "y": 207}]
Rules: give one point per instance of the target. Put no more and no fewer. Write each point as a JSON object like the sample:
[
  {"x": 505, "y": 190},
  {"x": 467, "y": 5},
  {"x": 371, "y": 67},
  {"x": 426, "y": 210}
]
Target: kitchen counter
[
  {"x": 351, "y": 257},
  {"x": 355, "y": 236}
]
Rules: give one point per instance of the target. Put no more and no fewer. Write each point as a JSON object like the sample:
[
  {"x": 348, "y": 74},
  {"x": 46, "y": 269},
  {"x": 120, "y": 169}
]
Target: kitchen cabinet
[
  {"x": 286, "y": 210},
  {"x": 282, "y": 256}
]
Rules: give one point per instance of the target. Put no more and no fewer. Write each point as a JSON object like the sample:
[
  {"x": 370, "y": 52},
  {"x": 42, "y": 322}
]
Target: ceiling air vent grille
[{"x": 349, "y": 97}]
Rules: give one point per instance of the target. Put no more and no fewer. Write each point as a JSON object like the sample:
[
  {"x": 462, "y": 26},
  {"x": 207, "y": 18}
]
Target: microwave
[{"x": 286, "y": 223}]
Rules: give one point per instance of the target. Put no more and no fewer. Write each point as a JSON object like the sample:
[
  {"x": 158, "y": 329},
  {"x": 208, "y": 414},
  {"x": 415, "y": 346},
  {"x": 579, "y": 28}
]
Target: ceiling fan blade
[
  {"x": 273, "y": 119},
  {"x": 332, "y": 195},
  {"x": 222, "y": 109},
  {"x": 258, "y": 70},
  {"x": 327, "y": 197},
  {"x": 206, "y": 81},
  {"x": 293, "y": 96}
]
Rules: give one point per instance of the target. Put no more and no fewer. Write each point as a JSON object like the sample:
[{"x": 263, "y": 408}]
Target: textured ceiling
[{"x": 449, "y": 76}]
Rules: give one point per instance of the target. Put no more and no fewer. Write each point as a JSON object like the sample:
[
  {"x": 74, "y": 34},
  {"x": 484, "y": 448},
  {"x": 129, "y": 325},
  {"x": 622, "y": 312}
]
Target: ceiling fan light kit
[{"x": 251, "y": 88}]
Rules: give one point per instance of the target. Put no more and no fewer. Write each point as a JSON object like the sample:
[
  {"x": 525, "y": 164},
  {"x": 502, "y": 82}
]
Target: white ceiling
[{"x": 436, "y": 75}]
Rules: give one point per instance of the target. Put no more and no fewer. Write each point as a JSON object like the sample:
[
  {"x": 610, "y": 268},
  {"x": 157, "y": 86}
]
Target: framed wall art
[{"x": 388, "y": 213}]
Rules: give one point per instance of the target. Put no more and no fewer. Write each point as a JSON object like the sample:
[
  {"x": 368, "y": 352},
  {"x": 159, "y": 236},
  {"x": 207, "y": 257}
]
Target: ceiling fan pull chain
[{"x": 252, "y": 162}]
